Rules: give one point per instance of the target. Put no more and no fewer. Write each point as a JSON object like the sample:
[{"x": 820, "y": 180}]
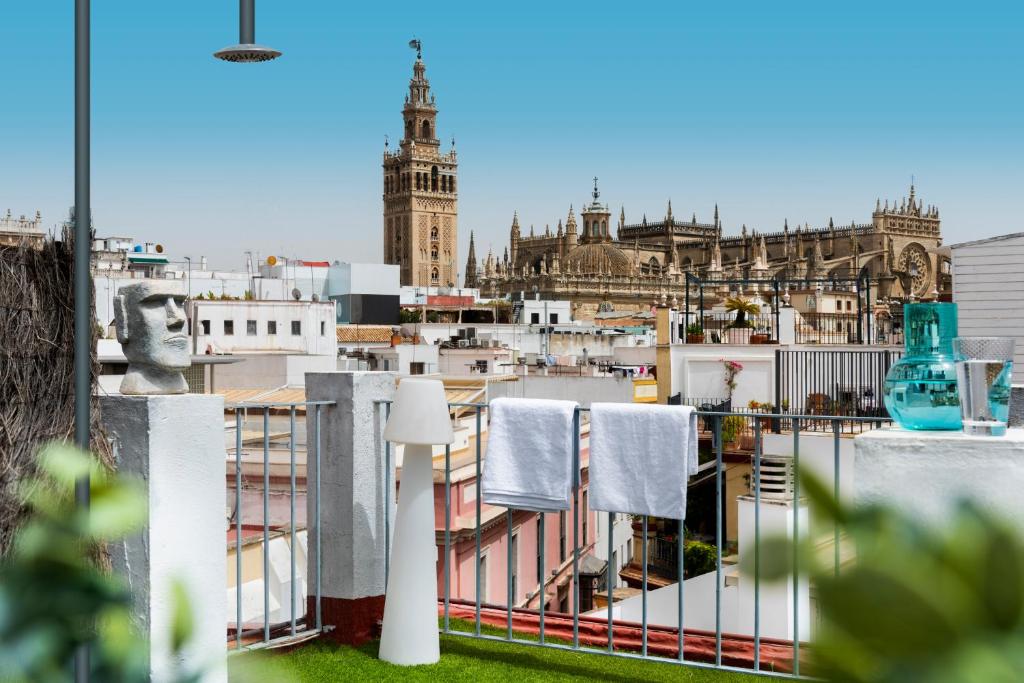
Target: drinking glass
[{"x": 984, "y": 370}]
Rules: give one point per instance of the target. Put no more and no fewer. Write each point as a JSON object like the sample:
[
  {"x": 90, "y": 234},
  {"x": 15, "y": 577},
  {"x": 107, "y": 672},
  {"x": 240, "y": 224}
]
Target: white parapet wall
[
  {"x": 926, "y": 474},
  {"x": 175, "y": 446}
]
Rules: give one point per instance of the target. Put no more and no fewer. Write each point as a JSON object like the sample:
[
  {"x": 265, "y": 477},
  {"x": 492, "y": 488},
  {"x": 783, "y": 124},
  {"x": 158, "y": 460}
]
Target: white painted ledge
[{"x": 927, "y": 473}]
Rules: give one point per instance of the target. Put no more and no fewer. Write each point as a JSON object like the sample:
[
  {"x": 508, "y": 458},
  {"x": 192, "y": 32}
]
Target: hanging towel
[
  {"x": 641, "y": 456},
  {"x": 529, "y": 454}
]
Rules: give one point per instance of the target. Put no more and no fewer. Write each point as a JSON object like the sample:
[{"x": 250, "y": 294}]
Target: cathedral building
[
  {"x": 650, "y": 261},
  {"x": 420, "y": 200}
]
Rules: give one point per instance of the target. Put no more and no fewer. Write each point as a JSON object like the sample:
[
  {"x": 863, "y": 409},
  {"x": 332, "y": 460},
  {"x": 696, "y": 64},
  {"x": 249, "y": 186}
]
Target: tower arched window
[
  {"x": 417, "y": 181},
  {"x": 426, "y": 130},
  {"x": 433, "y": 233},
  {"x": 444, "y": 183},
  {"x": 433, "y": 253},
  {"x": 433, "y": 178},
  {"x": 408, "y": 129},
  {"x": 604, "y": 228},
  {"x": 435, "y": 275},
  {"x": 451, "y": 183}
]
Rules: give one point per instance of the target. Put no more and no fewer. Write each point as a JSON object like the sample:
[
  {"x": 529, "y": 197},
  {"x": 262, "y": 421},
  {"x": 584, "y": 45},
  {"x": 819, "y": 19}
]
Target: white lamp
[{"x": 419, "y": 419}]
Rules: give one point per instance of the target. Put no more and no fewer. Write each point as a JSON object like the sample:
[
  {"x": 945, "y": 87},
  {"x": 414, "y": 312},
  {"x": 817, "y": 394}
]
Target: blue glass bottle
[{"x": 920, "y": 389}]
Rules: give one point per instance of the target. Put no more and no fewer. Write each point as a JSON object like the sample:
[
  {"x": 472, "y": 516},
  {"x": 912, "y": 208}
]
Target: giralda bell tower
[{"x": 420, "y": 200}]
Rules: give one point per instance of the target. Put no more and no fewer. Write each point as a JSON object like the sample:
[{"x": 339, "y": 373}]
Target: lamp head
[
  {"x": 419, "y": 414},
  {"x": 246, "y": 52}
]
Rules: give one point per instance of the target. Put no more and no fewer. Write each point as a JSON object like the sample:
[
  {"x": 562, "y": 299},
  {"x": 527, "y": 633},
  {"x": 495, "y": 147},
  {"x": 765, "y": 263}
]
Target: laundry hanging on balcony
[
  {"x": 641, "y": 456},
  {"x": 529, "y": 454}
]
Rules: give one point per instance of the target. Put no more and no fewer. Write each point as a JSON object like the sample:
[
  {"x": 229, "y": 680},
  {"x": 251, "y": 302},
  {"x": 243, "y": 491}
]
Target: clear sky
[{"x": 798, "y": 110}]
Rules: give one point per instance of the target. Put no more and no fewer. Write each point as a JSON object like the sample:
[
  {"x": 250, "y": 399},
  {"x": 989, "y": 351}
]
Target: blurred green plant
[
  {"x": 53, "y": 598},
  {"x": 920, "y": 603}
]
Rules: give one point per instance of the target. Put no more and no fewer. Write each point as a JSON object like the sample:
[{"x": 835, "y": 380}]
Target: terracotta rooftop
[{"x": 364, "y": 333}]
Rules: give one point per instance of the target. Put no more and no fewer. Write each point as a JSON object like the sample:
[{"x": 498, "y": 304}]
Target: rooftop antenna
[{"x": 247, "y": 50}]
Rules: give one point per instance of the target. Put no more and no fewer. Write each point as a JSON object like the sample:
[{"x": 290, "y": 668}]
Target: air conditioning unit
[{"x": 463, "y": 343}]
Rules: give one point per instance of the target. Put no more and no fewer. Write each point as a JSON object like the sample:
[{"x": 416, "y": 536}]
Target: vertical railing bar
[
  {"x": 835, "y": 458},
  {"x": 291, "y": 501},
  {"x": 796, "y": 548},
  {"x": 319, "y": 566},
  {"x": 542, "y": 594},
  {"x": 508, "y": 576},
  {"x": 478, "y": 520},
  {"x": 681, "y": 569},
  {"x": 387, "y": 500},
  {"x": 757, "y": 545},
  {"x": 238, "y": 529},
  {"x": 643, "y": 592},
  {"x": 576, "y": 528},
  {"x": 447, "y": 532},
  {"x": 718, "y": 539},
  {"x": 266, "y": 524},
  {"x": 609, "y": 580}
]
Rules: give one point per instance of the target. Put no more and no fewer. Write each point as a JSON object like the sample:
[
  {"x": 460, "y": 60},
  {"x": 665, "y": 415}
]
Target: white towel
[
  {"x": 529, "y": 454},
  {"x": 641, "y": 456}
]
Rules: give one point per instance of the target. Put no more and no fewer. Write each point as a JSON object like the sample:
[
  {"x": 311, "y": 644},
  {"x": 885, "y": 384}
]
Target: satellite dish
[
  {"x": 159, "y": 248},
  {"x": 296, "y": 294},
  {"x": 271, "y": 260}
]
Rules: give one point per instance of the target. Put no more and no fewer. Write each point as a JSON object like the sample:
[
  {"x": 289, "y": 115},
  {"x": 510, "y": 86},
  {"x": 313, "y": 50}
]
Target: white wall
[
  {"x": 558, "y": 312},
  {"x": 458, "y": 362},
  {"x": 270, "y": 370},
  {"x": 988, "y": 281},
  {"x": 622, "y": 535},
  {"x": 698, "y": 371},
  {"x": 584, "y": 390},
  {"x": 363, "y": 278},
  {"x": 317, "y": 322}
]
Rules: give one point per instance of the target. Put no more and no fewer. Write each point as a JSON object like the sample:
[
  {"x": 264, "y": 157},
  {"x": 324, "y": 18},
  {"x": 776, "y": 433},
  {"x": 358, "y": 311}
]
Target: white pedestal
[
  {"x": 926, "y": 473},
  {"x": 175, "y": 446},
  {"x": 410, "y": 609}
]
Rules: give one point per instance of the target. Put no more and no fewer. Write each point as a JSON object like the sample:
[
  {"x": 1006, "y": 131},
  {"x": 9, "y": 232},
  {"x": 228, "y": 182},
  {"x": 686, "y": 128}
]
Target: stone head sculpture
[{"x": 150, "y": 322}]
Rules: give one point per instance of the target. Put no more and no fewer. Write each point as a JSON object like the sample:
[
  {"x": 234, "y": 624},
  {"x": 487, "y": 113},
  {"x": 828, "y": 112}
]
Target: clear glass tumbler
[{"x": 984, "y": 370}]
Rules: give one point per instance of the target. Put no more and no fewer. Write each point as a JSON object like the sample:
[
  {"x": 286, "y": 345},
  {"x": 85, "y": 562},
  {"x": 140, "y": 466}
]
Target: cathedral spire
[
  {"x": 469, "y": 280},
  {"x": 668, "y": 216}
]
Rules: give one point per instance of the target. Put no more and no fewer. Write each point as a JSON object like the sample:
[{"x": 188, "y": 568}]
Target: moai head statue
[{"x": 150, "y": 325}]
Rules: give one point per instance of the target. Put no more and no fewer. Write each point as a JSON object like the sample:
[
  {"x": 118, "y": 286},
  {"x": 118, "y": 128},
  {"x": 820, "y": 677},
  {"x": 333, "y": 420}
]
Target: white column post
[
  {"x": 355, "y": 486},
  {"x": 175, "y": 445}
]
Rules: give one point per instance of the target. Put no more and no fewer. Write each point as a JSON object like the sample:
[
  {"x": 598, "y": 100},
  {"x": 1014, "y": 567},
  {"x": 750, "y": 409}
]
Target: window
[
  {"x": 433, "y": 178},
  {"x": 296, "y": 327},
  {"x": 433, "y": 253},
  {"x": 434, "y": 233},
  {"x": 849, "y": 305},
  {"x": 229, "y": 327},
  {"x": 451, "y": 183},
  {"x": 553, "y": 318},
  {"x": 206, "y": 326},
  {"x": 271, "y": 327},
  {"x": 540, "y": 549},
  {"x": 416, "y": 368},
  {"x": 514, "y": 579},
  {"x": 584, "y": 513},
  {"x": 563, "y": 517},
  {"x": 483, "y": 578},
  {"x": 323, "y": 328},
  {"x": 417, "y": 181},
  {"x": 426, "y": 129},
  {"x": 535, "y": 318},
  {"x": 481, "y": 367},
  {"x": 435, "y": 275},
  {"x": 250, "y": 328}
]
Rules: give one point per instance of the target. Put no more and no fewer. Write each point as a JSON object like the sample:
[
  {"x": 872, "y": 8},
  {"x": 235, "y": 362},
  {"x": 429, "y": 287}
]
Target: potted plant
[
  {"x": 740, "y": 329},
  {"x": 694, "y": 334},
  {"x": 732, "y": 429}
]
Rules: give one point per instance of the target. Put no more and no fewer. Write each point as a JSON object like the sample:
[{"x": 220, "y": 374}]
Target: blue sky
[{"x": 773, "y": 110}]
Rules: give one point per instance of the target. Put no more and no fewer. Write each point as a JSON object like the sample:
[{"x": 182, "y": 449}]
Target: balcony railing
[
  {"x": 275, "y": 432},
  {"x": 623, "y": 637}
]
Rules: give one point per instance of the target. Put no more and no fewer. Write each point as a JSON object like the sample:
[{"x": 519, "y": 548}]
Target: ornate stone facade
[
  {"x": 649, "y": 260},
  {"x": 17, "y": 231},
  {"x": 420, "y": 200}
]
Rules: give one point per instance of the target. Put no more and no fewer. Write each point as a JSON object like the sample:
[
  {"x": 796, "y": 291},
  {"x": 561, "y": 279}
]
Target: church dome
[{"x": 599, "y": 257}]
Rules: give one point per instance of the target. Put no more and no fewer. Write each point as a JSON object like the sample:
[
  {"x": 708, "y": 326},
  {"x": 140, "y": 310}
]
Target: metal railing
[
  {"x": 269, "y": 633},
  {"x": 617, "y": 637},
  {"x": 718, "y": 328},
  {"x": 825, "y": 328},
  {"x": 833, "y": 383}
]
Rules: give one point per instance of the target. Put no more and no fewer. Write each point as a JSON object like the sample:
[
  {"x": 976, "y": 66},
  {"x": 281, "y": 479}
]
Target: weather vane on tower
[
  {"x": 596, "y": 193},
  {"x": 417, "y": 45}
]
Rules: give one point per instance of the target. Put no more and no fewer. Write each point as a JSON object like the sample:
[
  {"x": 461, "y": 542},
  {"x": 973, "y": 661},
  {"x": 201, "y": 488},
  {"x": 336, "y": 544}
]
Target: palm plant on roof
[{"x": 742, "y": 307}]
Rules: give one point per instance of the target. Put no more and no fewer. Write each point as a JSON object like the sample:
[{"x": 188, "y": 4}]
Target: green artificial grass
[{"x": 468, "y": 659}]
